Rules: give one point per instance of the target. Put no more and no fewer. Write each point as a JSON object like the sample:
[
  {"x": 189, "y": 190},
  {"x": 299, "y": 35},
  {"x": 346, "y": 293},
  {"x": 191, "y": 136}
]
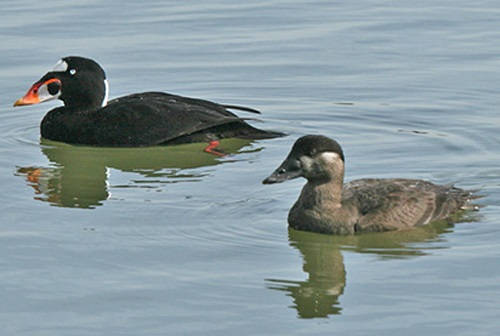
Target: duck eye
[
  {"x": 53, "y": 88},
  {"x": 295, "y": 165},
  {"x": 282, "y": 171},
  {"x": 72, "y": 72}
]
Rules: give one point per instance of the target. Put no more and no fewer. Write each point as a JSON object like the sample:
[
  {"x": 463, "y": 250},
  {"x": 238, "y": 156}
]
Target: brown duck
[{"x": 325, "y": 205}]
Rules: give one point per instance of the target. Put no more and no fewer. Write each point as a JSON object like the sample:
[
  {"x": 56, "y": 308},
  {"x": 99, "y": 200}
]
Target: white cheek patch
[
  {"x": 60, "y": 66},
  {"x": 106, "y": 93},
  {"x": 326, "y": 164},
  {"x": 330, "y": 157}
]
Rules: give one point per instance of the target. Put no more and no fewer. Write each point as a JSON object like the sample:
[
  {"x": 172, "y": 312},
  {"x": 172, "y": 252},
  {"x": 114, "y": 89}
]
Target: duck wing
[
  {"x": 394, "y": 204},
  {"x": 152, "y": 118}
]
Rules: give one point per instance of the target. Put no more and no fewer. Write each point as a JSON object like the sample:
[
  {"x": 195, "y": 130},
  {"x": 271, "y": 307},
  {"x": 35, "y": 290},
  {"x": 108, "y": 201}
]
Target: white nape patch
[
  {"x": 106, "y": 93},
  {"x": 330, "y": 156},
  {"x": 108, "y": 185},
  {"x": 60, "y": 66}
]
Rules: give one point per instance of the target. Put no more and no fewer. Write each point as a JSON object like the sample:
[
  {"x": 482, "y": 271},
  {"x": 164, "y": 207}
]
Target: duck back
[
  {"x": 395, "y": 204},
  {"x": 146, "y": 119}
]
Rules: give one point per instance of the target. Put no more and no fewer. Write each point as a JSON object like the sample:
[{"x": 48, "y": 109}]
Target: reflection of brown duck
[
  {"x": 325, "y": 205},
  {"x": 319, "y": 294},
  {"x": 78, "y": 176},
  {"x": 323, "y": 262}
]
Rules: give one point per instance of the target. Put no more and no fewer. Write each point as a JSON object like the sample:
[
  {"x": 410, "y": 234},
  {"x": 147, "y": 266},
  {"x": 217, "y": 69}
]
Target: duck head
[
  {"x": 79, "y": 82},
  {"x": 314, "y": 157}
]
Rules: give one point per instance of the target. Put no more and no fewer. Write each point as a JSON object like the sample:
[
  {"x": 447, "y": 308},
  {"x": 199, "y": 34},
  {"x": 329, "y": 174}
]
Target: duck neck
[
  {"x": 88, "y": 95},
  {"x": 324, "y": 193},
  {"x": 320, "y": 207},
  {"x": 83, "y": 102}
]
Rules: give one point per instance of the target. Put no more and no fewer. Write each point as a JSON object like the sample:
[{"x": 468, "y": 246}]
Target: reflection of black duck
[
  {"x": 78, "y": 175},
  {"x": 367, "y": 205},
  {"x": 54, "y": 186},
  {"x": 142, "y": 119}
]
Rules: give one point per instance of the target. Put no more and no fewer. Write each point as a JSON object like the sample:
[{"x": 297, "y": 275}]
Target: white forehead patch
[{"x": 60, "y": 66}]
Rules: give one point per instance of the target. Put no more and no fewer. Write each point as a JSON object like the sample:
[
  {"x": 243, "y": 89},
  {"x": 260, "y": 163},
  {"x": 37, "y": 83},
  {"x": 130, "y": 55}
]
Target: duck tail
[
  {"x": 241, "y": 108},
  {"x": 251, "y": 132}
]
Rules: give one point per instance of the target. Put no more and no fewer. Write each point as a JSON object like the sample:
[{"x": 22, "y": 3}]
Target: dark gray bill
[{"x": 289, "y": 169}]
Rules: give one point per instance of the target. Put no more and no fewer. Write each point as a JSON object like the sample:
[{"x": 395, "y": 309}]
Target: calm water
[{"x": 161, "y": 241}]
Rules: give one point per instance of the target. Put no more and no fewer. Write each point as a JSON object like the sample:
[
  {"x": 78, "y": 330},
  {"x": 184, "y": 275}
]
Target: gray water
[{"x": 169, "y": 241}]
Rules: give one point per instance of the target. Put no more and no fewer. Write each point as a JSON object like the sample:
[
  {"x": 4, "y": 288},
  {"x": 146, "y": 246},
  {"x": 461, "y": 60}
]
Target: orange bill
[{"x": 32, "y": 96}]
